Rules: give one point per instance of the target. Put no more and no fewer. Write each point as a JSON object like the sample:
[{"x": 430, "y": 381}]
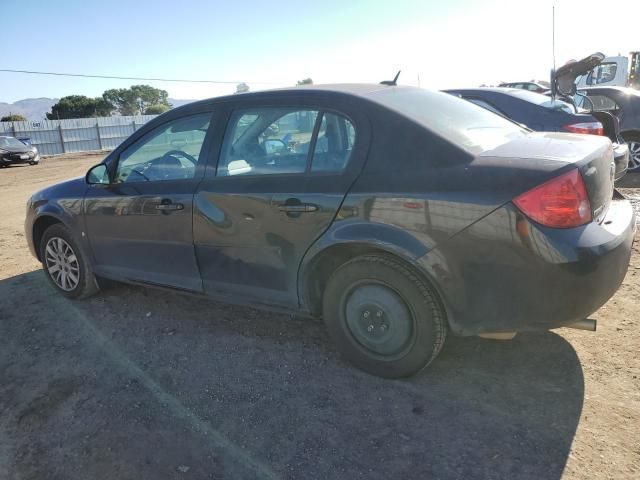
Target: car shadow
[{"x": 140, "y": 383}]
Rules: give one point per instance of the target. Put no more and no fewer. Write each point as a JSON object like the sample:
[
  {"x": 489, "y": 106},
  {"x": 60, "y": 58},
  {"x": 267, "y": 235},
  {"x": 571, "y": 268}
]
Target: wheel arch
[
  {"x": 40, "y": 225},
  {"x": 633, "y": 132},
  {"x": 318, "y": 267}
]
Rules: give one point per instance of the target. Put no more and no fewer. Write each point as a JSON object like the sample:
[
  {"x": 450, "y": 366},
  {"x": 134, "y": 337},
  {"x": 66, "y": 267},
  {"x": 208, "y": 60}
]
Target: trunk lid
[
  {"x": 592, "y": 155},
  {"x": 564, "y": 78}
]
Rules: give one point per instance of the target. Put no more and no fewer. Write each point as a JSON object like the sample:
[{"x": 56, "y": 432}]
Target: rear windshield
[
  {"x": 543, "y": 101},
  {"x": 467, "y": 125}
]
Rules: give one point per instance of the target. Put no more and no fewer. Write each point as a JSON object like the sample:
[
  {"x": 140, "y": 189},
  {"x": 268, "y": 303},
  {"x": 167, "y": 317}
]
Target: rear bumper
[
  {"x": 621, "y": 159},
  {"x": 506, "y": 273}
]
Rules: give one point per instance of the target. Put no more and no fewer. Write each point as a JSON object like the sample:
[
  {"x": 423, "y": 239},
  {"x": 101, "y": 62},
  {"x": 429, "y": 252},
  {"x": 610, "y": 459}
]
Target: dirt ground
[{"x": 144, "y": 384}]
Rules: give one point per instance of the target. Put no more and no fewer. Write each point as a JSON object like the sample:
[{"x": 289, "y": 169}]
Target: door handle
[
  {"x": 169, "y": 206},
  {"x": 298, "y": 208}
]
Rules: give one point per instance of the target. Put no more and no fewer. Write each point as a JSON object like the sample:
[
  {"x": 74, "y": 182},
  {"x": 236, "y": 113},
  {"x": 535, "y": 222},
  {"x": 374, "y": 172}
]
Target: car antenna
[
  {"x": 391, "y": 83},
  {"x": 553, "y": 53}
]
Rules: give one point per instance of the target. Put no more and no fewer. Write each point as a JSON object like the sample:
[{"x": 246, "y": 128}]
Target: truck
[{"x": 619, "y": 71}]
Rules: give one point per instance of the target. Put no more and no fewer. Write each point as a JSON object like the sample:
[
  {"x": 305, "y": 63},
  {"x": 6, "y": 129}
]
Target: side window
[
  {"x": 602, "y": 102},
  {"x": 267, "y": 141},
  {"x": 169, "y": 152},
  {"x": 336, "y": 137},
  {"x": 484, "y": 104},
  {"x": 603, "y": 73}
]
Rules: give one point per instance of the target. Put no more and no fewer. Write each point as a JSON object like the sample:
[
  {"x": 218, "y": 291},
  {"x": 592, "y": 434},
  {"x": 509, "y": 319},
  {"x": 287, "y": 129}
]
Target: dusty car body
[
  {"x": 14, "y": 151},
  {"x": 395, "y": 213}
]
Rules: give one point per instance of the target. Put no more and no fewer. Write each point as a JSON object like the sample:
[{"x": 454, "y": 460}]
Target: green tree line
[{"x": 136, "y": 100}]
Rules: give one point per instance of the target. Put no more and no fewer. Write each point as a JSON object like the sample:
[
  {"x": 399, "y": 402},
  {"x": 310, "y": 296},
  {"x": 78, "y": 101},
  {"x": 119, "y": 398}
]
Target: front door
[
  {"x": 280, "y": 180},
  {"x": 140, "y": 227}
]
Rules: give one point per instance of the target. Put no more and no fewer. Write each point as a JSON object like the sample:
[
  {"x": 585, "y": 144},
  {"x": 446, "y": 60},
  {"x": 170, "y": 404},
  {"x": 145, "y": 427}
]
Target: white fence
[{"x": 54, "y": 137}]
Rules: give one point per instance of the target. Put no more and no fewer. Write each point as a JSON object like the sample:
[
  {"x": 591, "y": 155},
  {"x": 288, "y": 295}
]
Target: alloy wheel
[
  {"x": 634, "y": 155},
  {"x": 62, "y": 264}
]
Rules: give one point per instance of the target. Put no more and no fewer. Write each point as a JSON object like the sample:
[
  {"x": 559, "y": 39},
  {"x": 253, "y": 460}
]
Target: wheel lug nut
[
  {"x": 370, "y": 328},
  {"x": 366, "y": 314},
  {"x": 379, "y": 314},
  {"x": 383, "y": 327}
]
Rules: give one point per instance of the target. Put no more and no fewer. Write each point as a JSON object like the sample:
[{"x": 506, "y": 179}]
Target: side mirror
[
  {"x": 98, "y": 175},
  {"x": 273, "y": 146}
]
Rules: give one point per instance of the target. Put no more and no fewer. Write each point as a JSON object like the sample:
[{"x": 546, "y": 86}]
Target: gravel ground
[{"x": 138, "y": 383}]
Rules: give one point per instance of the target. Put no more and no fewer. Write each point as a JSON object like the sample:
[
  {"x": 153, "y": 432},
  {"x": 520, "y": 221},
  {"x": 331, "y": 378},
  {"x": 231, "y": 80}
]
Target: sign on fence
[{"x": 53, "y": 137}]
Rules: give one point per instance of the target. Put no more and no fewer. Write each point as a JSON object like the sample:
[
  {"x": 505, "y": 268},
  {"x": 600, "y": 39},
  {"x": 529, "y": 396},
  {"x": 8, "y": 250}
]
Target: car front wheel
[
  {"x": 64, "y": 263},
  {"x": 384, "y": 318}
]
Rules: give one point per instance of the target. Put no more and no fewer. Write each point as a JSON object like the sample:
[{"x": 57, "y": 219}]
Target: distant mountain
[
  {"x": 37, "y": 108},
  {"x": 32, "y": 108}
]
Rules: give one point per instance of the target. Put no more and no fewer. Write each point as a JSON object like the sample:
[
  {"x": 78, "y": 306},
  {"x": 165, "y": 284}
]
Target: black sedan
[
  {"x": 395, "y": 213},
  {"x": 624, "y": 103},
  {"x": 13, "y": 151},
  {"x": 541, "y": 113}
]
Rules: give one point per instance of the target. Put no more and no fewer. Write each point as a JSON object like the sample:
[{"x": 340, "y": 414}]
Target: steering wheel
[{"x": 180, "y": 153}]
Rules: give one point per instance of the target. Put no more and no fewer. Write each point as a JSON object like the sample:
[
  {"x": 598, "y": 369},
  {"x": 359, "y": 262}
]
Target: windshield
[
  {"x": 463, "y": 123},
  {"x": 543, "y": 101},
  {"x": 10, "y": 142}
]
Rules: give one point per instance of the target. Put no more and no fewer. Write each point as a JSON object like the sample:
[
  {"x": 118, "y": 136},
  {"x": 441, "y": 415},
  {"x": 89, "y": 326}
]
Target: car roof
[
  {"x": 505, "y": 90},
  {"x": 355, "y": 89},
  {"x": 613, "y": 87}
]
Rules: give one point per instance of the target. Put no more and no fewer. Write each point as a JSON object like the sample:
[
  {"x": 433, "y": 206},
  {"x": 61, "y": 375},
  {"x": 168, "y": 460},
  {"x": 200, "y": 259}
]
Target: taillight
[
  {"x": 561, "y": 202},
  {"x": 591, "y": 128}
]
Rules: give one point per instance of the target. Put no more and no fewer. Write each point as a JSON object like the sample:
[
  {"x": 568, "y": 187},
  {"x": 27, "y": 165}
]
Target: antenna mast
[{"x": 553, "y": 53}]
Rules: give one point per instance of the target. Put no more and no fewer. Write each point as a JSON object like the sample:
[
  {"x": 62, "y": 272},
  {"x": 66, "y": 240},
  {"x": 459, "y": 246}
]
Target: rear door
[
  {"x": 140, "y": 227},
  {"x": 282, "y": 174}
]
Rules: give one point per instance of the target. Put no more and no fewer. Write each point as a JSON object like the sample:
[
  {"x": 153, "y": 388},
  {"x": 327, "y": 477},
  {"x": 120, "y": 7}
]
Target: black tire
[
  {"x": 86, "y": 284},
  {"x": 375, "y": 284},
  {"x": 633, "y": 142}
]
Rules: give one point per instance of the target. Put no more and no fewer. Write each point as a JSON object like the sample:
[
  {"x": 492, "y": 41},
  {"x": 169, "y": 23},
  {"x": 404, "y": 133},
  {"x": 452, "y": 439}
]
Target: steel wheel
[
  {"x": 379, "y": 319},
  {"x": 634, "y": 155},
  {"x": 62, "y": 264}
]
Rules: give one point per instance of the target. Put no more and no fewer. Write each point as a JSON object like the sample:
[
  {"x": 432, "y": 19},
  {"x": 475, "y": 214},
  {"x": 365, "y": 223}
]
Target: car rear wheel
[
  {"x": 384, "y": 318},
  {"x": 64, "y": 263},
  {"x": 633, "y": 142}
]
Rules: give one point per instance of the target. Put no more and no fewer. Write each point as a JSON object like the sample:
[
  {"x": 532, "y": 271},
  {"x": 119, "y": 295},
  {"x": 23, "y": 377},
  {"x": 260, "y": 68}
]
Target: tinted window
[
  {"x": 267, "y": 141},
  {"x": 336, "y": 137},
  {"x": 602, "y": 102},
  {"x": 459, "y": 121},
  {"x": 169, "y": 152}
]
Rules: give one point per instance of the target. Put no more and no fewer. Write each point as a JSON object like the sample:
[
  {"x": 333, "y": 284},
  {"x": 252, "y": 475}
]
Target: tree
[
  {"x": 13, "y": 117},
  {"x": 135, "y": 100},
  {"x": 79, "y": 106},
  {"x": 305, "y": 81},
  {"x": 156, "y": 109},
  {"x": 242, "y": 88}
]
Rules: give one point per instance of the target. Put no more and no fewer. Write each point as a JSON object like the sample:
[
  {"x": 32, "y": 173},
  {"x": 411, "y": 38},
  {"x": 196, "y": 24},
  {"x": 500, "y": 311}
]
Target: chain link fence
[{"x": 55, "y": 137}]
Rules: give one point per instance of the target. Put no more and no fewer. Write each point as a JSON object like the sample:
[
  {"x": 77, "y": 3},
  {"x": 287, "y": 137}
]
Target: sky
[{"x": 437, "y": 44}]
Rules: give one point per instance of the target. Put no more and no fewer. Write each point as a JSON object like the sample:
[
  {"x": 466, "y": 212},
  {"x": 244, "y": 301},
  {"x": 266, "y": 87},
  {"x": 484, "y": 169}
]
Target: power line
[{"x": 116, "y": 77}]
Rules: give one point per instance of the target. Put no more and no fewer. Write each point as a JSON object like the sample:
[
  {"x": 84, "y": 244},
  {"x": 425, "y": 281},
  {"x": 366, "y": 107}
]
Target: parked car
[
  {"x": 537, "y": 86},
  {"x": 624, "y": 104},
  {"x": 13, "y": 151},
  {"x": 397, "y": 214},
  {"x": 541, "y": 113}
]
